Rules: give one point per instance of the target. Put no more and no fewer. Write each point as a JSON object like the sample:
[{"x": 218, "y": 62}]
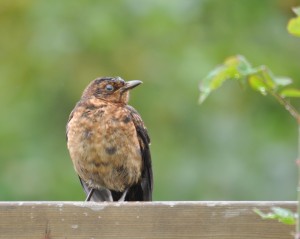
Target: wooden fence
[{"x": 209, "y": 220}]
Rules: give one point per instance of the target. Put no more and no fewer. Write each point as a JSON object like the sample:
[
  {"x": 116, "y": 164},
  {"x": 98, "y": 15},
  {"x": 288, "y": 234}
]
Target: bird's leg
[
  {"x": 88, "y": 198},
  {"x": 122, "y": 198},
  {"x": 109, "y": 197}
]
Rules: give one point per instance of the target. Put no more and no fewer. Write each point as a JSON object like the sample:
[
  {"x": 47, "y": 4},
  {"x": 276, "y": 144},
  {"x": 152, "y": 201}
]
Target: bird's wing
[{"x": 142, "y": 191}]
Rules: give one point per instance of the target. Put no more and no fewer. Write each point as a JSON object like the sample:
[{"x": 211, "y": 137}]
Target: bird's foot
[
  {"x": 88, "y": 198},
  {"x": 122, "y": 198}
]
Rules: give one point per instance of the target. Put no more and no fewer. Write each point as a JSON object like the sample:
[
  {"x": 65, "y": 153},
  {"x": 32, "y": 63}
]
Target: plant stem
[
  {"x": 297, "y": 236},
  {"x": 292, "y": 110}
]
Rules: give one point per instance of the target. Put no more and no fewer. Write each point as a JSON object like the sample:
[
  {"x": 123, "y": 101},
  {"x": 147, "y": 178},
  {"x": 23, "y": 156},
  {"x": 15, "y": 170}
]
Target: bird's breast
[{"x": 104, "y": 147}]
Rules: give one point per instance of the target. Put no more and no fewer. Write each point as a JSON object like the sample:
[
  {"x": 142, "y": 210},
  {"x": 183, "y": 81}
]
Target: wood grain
[{"x": 226, "y": 220}]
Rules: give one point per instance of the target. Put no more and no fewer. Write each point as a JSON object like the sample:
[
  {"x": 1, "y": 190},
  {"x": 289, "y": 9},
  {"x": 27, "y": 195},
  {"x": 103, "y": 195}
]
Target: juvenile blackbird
[{"x": 109, "y": 144}]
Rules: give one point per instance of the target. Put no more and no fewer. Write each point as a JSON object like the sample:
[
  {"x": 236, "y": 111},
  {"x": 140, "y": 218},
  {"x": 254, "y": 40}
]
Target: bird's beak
[{"x": 130, "y": 85}]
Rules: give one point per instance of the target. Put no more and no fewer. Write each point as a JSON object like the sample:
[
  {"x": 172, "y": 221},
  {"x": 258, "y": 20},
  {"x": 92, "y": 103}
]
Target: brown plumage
[{"x": 109, "y": 144}]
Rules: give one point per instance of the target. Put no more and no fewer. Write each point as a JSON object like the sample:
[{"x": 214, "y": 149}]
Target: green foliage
[
  {"x": 260, "y": 78},
  {"x": 233, "y": 68},
  {"x": 294, "y": 23},
  {"x": 290, "y": 92},
  {"x": 282, "y": 215}
]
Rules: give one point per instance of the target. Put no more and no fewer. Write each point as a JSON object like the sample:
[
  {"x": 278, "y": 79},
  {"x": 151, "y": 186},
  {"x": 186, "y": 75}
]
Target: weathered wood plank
[{"x": 226, "y": 220}]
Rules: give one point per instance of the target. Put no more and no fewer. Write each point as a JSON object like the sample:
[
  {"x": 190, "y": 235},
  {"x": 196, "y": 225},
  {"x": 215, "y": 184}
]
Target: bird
[{"x": 108, "y": 143}]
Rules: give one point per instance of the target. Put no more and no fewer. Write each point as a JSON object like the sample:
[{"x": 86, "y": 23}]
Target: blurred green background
[{"x": 238, "y": 145}]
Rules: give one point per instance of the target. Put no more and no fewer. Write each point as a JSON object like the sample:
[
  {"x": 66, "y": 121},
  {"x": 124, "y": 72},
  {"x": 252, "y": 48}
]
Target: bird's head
[{"x": 112, "y": 89}]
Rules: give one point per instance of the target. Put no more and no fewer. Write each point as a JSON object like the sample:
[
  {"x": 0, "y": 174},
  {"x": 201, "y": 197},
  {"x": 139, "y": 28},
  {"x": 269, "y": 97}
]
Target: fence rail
[{"x": 209, "y": 220}]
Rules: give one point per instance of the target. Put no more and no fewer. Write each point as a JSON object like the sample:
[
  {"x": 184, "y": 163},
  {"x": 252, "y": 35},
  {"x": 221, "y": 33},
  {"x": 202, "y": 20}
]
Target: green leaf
[
  {"x": 294, "y": 26},
  {"x": 257, "y": 83},
  {"x": 282, "y": 215},
  {"x": 212, "y": 81},
  {"x": 216, "y": 78},
  {"x": 262, "y": 79},
  {"x": 290, "y": 92},
  {"x": 235, "y": 67},
  {"x": 296, "y": 10},
  {"x": 268, "y": 77},
  {"x": 240, "y": 64},
  {"x": 264, "y": 215},
  {"x": 283, "y": 81}
]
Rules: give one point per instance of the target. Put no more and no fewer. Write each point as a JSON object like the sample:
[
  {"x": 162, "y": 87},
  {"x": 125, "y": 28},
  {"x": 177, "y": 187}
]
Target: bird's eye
[{"x": 109, "y": 88}]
